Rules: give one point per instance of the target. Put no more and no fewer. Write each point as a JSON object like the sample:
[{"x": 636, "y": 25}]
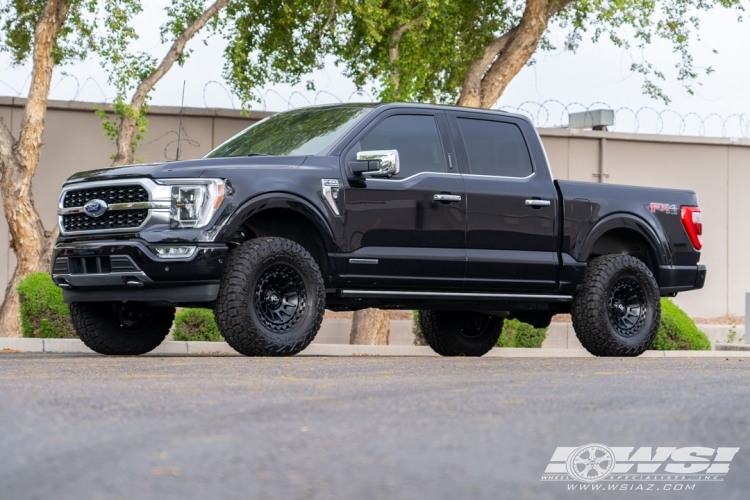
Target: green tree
[
  {"x": 137, "y": 73},
  {"x": 48, "y": 34},
  {"x": 267, "y": 40},
  {"x": 468, "y": 51},
  {"x": 277, "y": 41}
]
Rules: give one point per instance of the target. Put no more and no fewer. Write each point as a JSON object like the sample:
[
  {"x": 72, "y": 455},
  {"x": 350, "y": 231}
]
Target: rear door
[
  {"x": 511, "y": 233},
  {"x": 398, "y": 234}
]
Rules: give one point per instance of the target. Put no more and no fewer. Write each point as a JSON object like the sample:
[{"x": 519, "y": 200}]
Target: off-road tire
[
  {"x": 101, "y": 327},
  {"x": 595, "y": 308},
  {"x": 247, "y": 324},
  {"x": 460, "y": 333}
]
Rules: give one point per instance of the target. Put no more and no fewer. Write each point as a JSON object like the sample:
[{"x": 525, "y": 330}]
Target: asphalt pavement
[{"x": 366, "y": 427}]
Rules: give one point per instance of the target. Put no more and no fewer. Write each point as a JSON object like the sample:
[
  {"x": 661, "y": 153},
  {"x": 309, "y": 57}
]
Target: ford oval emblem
[{"x": 95, "y": 208}]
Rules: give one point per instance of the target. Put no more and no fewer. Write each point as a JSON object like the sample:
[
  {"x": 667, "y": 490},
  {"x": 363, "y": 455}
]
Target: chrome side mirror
[{"x": 383, "y": 163}]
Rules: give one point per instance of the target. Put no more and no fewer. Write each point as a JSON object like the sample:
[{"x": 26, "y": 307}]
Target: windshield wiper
[{"x": 260, "y": 154}]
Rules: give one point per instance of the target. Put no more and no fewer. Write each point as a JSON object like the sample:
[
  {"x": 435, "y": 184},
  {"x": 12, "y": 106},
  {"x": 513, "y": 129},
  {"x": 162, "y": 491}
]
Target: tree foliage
[
  {"x": 437, "y": 41},
  {"x": 274, "y": 41},
  {"x": 76, "y": 38}
]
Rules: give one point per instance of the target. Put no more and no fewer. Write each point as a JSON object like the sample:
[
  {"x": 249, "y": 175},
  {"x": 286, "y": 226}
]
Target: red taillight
[{"x": 691, "y": 219}]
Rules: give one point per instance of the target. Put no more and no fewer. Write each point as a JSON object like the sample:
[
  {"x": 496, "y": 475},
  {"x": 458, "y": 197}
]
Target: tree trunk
[
  {"x": 489, "y": 76},
  {"x": 370, "y": 327},
  {"x": 18, "y": 161},
  {"x": 129, "y": 123}
]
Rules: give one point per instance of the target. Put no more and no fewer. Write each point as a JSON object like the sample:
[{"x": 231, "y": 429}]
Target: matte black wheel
[
  {"x": 121, "y": 328},
  {"x": 460, "y": 333},
  {"x": 618, "y": 310},
  {"x": 271, "y": 299}
]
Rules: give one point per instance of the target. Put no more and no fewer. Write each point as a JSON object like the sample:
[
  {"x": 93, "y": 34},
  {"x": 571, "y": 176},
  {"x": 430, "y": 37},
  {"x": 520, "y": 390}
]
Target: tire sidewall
[
  {"x": 95, "y": 325},
  {"x": 442, "y": 331},
  {"x": 235, "y": 311},
  {"x": 590, "y": 309}
]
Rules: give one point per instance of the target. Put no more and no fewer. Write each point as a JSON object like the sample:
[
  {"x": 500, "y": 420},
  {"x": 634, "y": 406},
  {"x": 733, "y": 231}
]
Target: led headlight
[
  {"x": 194, "y": 202},
  {"x": 174, "y": 252}
]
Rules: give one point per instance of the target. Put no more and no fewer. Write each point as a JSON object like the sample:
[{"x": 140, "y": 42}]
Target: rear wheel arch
[{"x": 625, "y": 234}]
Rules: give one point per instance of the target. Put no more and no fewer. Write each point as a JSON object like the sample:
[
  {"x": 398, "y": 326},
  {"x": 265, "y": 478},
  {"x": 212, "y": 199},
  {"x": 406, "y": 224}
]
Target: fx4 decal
[{"x": 664, "y": 208}]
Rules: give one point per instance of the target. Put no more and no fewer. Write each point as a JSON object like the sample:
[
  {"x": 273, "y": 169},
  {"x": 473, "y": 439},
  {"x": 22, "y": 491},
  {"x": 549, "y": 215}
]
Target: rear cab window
[{"x": 495, "y": 148}]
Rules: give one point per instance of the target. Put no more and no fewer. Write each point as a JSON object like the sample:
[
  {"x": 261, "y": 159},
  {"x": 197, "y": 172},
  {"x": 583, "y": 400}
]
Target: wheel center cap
[{"x": 272, "y": 298}]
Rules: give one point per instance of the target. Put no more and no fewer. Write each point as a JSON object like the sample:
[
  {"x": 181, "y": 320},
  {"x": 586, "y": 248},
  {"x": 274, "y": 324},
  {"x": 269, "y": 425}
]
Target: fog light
[{"x": 174, "y": 252}]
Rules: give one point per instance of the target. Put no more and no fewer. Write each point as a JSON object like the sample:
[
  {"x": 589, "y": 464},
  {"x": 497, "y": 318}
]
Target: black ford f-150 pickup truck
[{"x": 451, "y": 211}]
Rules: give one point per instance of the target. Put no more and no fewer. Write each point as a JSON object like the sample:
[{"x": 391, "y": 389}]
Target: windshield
[{"x": 300, "y": 132}]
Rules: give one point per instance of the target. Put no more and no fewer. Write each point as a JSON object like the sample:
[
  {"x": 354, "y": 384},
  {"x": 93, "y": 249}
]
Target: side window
[
  {"x": 416, "y": 139},
  {"x": 495, "y": 148}
]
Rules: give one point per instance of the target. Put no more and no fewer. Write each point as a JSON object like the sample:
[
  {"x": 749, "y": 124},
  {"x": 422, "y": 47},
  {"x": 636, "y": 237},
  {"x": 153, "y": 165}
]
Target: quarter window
[
  {"x": 416, "y": 139},
  {"x": 495, "y": 148}
]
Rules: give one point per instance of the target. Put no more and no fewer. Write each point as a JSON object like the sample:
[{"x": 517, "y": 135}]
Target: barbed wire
[
  {"x": 554, "y": 114},
  {"x": 550, "y": 113}
]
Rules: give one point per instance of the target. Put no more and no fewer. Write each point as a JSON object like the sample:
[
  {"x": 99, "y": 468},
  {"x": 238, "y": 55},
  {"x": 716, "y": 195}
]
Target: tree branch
[
  {"x": 127, "y": 129},
  {"x": 503, "y": 58},
  {"x": 393, "y": 47},
  {"x": 472, "y": 87}
]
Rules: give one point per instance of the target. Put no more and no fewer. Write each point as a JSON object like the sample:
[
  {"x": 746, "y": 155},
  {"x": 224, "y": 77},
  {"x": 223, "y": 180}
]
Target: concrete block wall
[{"x": 717, "y": 169}]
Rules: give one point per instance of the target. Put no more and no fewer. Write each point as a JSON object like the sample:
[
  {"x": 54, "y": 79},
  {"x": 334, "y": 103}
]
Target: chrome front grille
[
  {"x": 123, "y": 219},
  {"x": 121, "y": 205},
  {"x": 133, "y": 193}
]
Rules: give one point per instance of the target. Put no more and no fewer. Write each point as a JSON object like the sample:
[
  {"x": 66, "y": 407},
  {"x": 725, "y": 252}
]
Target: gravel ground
[{"x": 80, "y": 427}]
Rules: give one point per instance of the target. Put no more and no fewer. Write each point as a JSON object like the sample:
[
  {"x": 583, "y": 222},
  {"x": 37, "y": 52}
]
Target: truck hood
[{"x": 186, "y": 168}]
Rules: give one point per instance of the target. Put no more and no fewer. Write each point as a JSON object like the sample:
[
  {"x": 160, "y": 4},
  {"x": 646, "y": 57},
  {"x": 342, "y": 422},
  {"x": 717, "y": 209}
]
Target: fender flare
[
  {"x": 266, "y": 201},
  {"x": 626, "y": 221}
]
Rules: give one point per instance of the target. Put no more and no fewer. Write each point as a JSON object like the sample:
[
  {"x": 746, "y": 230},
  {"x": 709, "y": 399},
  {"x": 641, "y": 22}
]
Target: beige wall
[{"x": 717, "y": 169}]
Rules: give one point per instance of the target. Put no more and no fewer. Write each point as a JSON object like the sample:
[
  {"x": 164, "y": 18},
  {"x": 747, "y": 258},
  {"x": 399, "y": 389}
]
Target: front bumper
[
  {"x": 673, "y": 279},
  {"x": 98, "y": 271}
]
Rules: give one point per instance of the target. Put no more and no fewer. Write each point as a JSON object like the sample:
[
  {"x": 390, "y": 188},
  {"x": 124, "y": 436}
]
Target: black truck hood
[{"x": 186, "y": 168}]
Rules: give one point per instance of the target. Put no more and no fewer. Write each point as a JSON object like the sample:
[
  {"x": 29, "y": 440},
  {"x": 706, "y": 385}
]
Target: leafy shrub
[
  {"x": 519, "y": 334},
  {"x": 417, "y": 331},
  {"x": 677, "y": 332},
  {"x": 43, "y": 312},
  {"x": 196, "y": 324}
]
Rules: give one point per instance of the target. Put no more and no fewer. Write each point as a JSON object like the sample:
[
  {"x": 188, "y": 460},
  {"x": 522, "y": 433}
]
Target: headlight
[
  {"x": 194, "y": 203},
  {"x": 174, "y": 252}
]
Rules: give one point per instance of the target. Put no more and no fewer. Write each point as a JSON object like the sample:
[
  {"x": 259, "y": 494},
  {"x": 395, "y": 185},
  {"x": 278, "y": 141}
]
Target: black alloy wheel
[
  {"x": 628, "y": 307},
  {"x": 617, "y": 310},
  {"x": 271, "y": 299},
  {"x": 280, "y": 298}
]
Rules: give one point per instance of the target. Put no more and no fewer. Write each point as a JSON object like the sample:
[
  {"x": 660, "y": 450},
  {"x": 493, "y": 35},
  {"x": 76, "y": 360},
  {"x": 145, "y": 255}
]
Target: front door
[
  {"x": 398, "y": 234},
  {"x": 511, "y": 233}
]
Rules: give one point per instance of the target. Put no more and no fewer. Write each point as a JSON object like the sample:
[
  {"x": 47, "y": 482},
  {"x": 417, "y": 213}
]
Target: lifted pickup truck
[{"x": 450, "y": 211}]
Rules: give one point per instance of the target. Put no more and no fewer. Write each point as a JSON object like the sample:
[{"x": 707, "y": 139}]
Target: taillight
[{"x": 691, "y": 220}]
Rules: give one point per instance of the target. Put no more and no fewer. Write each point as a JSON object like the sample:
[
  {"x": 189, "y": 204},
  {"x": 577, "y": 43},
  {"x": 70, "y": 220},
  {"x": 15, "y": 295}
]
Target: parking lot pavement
[{"x": 75, "y": 427}]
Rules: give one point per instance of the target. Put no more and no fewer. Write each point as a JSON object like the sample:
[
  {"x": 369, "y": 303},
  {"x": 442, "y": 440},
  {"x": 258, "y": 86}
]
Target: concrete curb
[{"x": 175, "y": 348}]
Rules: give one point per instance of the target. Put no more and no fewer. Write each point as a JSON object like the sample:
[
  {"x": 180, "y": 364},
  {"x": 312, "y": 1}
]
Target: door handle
[
  {"x": 538, "y": 203},
  {"x": 447, "y": 197}
]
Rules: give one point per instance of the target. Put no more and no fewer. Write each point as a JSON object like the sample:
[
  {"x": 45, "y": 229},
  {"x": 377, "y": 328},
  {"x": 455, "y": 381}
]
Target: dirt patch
[{"x": 721, "y": 320}]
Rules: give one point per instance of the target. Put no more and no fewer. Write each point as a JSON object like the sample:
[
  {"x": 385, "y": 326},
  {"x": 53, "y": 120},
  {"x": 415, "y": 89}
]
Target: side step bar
[{"x": 468, "y": 295}]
